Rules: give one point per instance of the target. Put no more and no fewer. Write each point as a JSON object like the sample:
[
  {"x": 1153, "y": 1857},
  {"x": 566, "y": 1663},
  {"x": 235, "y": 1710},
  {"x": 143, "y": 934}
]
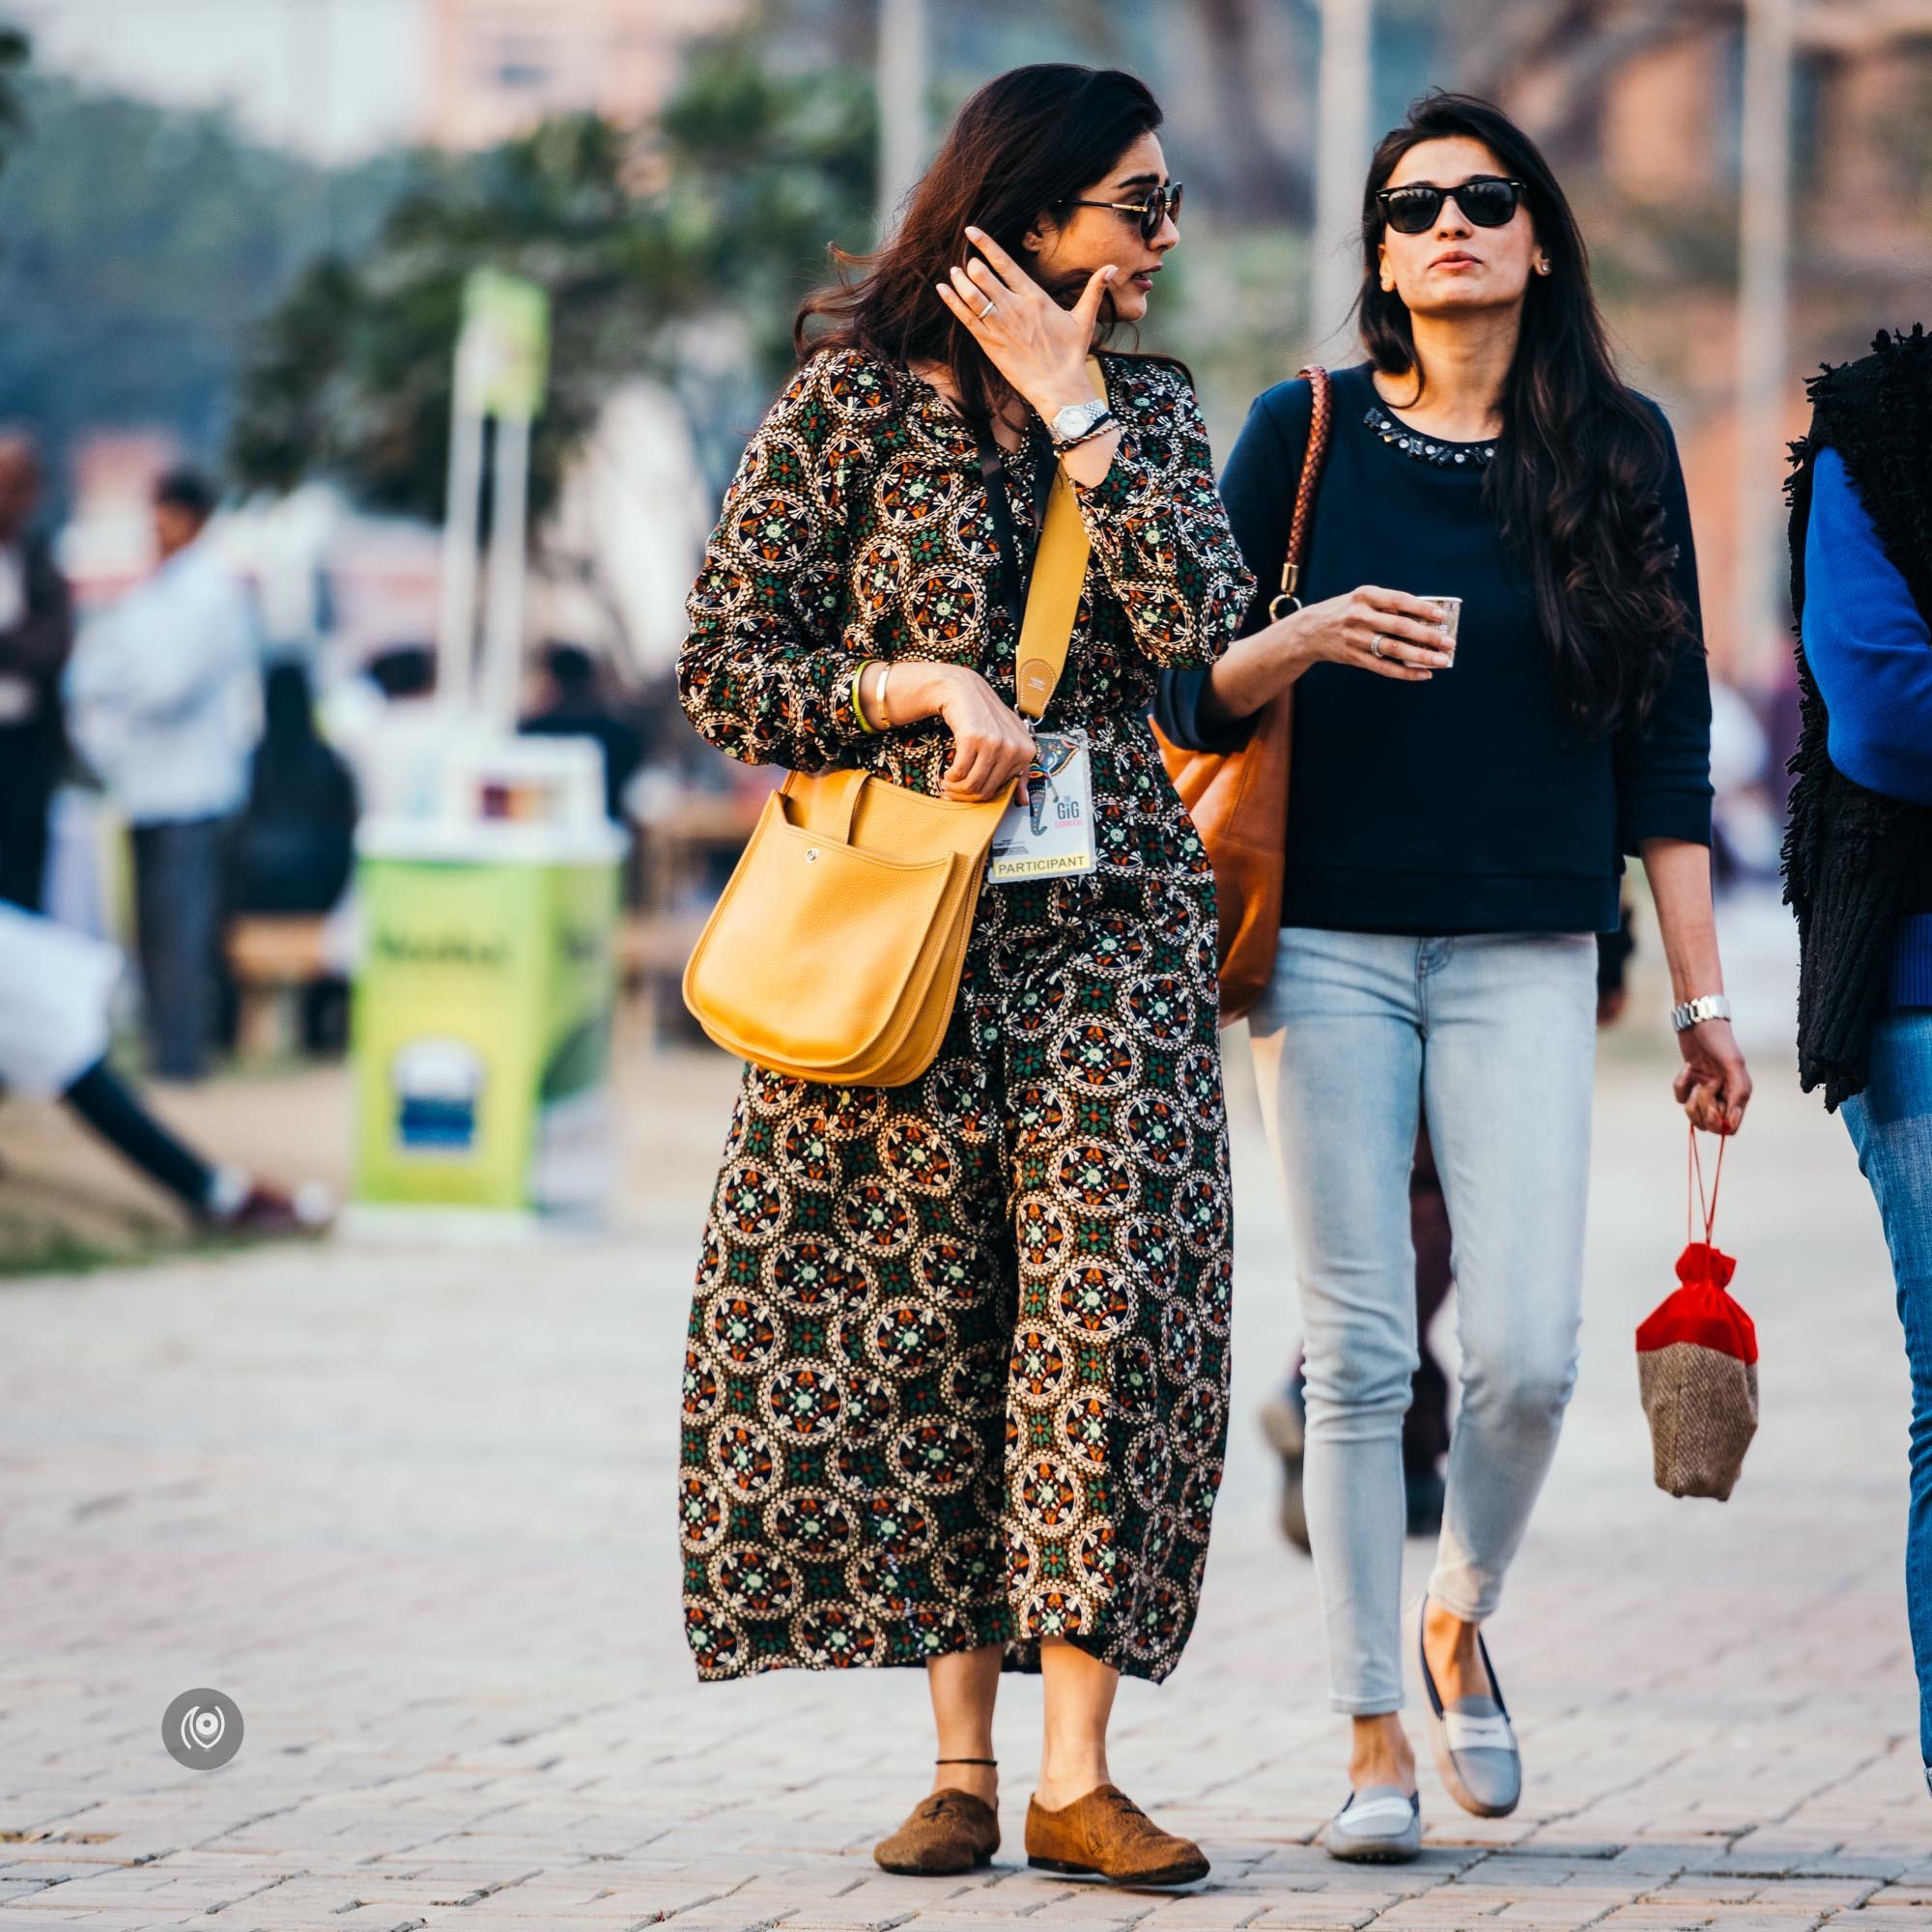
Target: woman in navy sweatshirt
[{"x": 1457, "y": 828}]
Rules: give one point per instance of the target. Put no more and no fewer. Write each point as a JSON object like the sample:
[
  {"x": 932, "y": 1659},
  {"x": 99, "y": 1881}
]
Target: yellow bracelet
[{"x": 870, "y": 730}]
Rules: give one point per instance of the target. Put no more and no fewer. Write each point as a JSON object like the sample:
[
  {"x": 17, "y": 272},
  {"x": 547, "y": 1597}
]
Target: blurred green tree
[
  {"x": 714, "y": 219},
  {"x": 137, "y": 244}
]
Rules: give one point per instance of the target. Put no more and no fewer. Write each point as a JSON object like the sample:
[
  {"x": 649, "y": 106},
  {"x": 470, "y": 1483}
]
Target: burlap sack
[
  {"x": 1702, "y": 1406},
  {"x": 1697, "y": 1367}
]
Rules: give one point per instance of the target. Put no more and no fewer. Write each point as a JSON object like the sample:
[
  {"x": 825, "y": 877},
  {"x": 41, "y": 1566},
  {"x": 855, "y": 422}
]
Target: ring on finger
[
  {"x": 1376, "y": 644},
  {"x": 987, "y": 310}
]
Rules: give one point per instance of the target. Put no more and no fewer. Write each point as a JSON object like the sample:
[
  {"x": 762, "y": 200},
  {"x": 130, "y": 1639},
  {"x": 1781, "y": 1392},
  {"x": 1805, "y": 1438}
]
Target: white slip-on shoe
[
  {"x": 1379, "y": 1825},
  {"x": 1474, "y": 1742}
]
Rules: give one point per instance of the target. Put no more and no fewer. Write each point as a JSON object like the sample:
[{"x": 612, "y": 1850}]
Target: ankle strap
[{"x": 965, "y": 1760}]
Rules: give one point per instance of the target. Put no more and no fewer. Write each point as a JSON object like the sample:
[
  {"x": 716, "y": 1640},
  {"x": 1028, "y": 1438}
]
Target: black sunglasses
[
  {"x": 1163, "y": 202},
  {"x": 1487, "y": 201}
]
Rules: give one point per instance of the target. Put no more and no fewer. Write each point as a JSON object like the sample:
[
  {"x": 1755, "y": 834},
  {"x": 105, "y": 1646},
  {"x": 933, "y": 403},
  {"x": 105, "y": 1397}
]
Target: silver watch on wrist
[
  {"x": 1705, "y": 1007},
  {"x": 1070, "y": 424}
]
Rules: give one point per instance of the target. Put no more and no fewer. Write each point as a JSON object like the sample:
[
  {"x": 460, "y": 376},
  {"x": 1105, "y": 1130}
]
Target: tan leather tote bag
[
  {"x": 1238, "y": 800},
  {"x": 835, "y": 950}
]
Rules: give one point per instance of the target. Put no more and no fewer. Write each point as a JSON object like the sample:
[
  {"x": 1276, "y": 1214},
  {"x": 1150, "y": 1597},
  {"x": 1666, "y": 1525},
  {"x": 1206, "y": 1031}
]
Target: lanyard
[{"x": 1014, "y": 580}]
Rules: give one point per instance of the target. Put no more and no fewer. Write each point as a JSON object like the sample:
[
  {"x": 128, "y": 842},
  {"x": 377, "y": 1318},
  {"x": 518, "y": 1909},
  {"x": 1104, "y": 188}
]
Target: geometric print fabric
[{"x": 957, "y": 1357}]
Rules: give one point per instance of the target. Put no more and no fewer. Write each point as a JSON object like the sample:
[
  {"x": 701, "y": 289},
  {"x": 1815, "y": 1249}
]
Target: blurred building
[
  {"x": 1663, "y": 142},
  {"x": 500, "y": 65},
  {"x": 332, "y": 79},
  {"x": 339, "y": 79}
]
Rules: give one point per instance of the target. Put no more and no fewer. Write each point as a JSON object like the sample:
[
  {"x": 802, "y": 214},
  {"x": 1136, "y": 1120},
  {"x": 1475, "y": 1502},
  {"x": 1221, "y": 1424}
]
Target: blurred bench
[
  {"x": 271, "y": 957},
  {"x": 651, "y": 951},
  {"x": 680, "y": 858}
]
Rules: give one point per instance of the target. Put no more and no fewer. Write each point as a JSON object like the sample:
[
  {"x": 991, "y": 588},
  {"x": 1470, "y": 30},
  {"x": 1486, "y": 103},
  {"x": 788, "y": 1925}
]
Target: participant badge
[{"x": 1047, "y": 832}]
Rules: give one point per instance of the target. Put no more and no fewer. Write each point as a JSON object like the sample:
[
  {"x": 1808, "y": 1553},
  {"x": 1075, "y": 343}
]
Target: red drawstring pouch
[{"x": 1697, "y": 1363}]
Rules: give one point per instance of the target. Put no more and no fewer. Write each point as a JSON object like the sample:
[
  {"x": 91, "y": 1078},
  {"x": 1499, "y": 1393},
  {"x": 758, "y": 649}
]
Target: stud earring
[{"x": 1542, "y": 268}]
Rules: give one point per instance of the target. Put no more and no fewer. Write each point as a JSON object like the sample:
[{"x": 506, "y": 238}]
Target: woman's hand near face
[
  {"x": 1038, "y": 347},
  {"x": 993, "y": 744}
]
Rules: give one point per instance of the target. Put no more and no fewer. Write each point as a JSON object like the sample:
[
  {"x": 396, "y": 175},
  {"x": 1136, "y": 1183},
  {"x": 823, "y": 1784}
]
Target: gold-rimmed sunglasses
[{"x": 1163, "y": 202}]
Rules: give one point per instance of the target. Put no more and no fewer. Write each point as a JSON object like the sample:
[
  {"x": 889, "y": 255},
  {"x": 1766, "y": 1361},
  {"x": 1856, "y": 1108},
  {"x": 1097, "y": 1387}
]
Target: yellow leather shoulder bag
[{"x": 835, "y": 950}]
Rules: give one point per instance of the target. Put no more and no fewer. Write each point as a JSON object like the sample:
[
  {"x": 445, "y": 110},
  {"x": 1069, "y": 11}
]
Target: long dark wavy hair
[
  {"x": 1026, "y": 143},
  {"x": 1577, "y": 486}
]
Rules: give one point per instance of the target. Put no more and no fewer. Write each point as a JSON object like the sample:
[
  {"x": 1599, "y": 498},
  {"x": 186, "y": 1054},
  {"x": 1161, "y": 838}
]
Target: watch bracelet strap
[
  {"x": 1100, "y": 424},
  {"x": 1688, "y": 1014}
]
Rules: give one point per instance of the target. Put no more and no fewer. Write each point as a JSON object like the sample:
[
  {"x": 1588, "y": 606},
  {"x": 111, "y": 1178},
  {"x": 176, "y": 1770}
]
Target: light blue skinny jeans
[
  {"x": 1890, "y": 1123},
  {"x": 1492, "y": 1038}
]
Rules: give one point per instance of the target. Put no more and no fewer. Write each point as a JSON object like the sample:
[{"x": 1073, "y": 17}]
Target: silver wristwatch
[
  {"x": 1070, "y": 424},
  {"x": 1705, "y": 1007}
]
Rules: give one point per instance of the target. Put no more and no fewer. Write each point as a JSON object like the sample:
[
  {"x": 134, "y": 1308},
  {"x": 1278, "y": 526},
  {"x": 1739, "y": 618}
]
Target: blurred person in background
[
  {"x": 294, "y": 847},
  {"x": 36, "y": 636},
  {"x": 56, "y": 992},
  {"x": 575, "y": 705},
  {"x": 166, "y": 697},
  {"x": 386, "y": 722},
  {"x": 403, "y": 675},
  {"x": 1456, "y": 838},
  {"x": 1744, "y": 832},
  {"x": 1858, "y": 851},
  {"x": 1425, "y": 1423}
]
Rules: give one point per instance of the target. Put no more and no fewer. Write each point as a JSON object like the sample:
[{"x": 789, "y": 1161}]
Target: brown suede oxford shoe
[
  {"x": 949, "y": 1831},
  {"x": 1106, "y": 1835}
]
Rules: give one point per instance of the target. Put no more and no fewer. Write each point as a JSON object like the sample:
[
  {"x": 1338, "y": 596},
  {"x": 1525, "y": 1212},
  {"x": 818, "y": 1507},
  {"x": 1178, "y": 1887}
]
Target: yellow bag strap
[{"x": 1052, "y": 596}]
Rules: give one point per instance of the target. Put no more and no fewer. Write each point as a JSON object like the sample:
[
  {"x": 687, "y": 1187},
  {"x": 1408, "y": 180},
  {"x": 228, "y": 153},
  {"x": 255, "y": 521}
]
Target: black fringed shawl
[{"x": 1851, "y": 856}]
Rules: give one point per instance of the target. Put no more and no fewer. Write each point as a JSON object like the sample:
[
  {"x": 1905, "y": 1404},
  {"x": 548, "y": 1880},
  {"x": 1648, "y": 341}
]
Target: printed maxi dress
[{"x": 957, "y": 1361}]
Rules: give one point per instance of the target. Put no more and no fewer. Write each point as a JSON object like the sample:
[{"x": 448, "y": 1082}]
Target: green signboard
[
  {"x": 481, "y": 1033},
  {"x": 506, "y": 324}
]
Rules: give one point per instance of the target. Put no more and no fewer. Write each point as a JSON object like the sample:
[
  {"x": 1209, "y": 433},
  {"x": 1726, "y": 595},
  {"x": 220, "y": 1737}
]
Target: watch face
[{"x": 1073, "y": 418}]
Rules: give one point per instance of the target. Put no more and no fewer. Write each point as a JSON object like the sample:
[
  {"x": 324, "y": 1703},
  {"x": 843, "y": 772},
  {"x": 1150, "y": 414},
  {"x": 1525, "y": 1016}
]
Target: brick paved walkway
[{"x": 412, "y": 1512}]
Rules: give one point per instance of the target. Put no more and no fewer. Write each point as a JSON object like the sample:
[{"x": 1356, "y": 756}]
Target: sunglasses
[
  {"x": 1487, "y": 201},
  {"x": 1153, "y": 212}
]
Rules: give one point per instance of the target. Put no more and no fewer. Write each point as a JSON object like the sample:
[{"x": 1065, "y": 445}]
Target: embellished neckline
[{"x": 1435, "y": 450}]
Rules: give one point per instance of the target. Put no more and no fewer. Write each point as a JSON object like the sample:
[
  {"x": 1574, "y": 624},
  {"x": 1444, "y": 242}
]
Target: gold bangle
[{"x": 885, "y": 678}]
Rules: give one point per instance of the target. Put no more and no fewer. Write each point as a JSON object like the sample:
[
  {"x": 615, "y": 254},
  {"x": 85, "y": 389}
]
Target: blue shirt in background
[{"x": 1870, "y": 651}]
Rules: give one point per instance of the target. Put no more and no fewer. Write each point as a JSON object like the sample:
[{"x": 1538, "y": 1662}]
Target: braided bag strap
[{"x": 1320, "y": 420}]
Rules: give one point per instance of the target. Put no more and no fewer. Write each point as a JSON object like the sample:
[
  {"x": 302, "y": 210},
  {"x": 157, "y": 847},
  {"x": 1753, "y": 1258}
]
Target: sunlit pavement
[{"x": 411, "y": 1511}]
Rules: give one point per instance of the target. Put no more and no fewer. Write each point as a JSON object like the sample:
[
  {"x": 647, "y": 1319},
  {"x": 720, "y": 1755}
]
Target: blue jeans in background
[
  {"x": 1493, "y": 1036},
  {"x": 1892, "y": 1127}
]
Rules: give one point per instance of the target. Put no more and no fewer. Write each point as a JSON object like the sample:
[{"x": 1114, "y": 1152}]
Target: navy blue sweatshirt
[{"x": 1468, "y": 803}]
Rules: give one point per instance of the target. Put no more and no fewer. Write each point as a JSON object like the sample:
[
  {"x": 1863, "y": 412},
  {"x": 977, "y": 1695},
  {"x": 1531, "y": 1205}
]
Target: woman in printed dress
[{"x": 955, "y": 1395}]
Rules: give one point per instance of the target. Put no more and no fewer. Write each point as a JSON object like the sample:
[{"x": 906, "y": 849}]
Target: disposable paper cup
[{"x": 1450, "y": 618}]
